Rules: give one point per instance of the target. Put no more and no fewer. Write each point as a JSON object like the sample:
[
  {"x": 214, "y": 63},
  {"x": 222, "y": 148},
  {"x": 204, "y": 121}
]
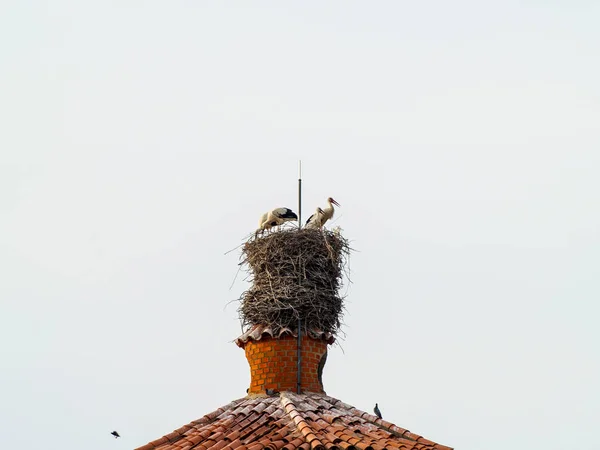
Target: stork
[
  {"x": 314, "y": 221},
  {"x": 276, "y": 217},
  {"x": 318, "y": 219}
]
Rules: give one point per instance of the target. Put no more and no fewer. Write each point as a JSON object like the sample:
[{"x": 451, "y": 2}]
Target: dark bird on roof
[
  {"x": 376, "y": 411},
  {"x": 115, "y": 434}
]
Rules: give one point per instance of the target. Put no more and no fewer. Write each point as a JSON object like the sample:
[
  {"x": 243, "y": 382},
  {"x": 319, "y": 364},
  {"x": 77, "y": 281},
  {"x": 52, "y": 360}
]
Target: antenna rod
[
  {"x": 299, "y": 357},
  {"x": 299, "y": 194},
  {"x": 299, "y": 343}
]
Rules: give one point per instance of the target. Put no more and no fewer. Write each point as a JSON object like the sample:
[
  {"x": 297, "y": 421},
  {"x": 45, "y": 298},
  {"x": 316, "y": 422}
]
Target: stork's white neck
[{"x": 329, "y": 209}]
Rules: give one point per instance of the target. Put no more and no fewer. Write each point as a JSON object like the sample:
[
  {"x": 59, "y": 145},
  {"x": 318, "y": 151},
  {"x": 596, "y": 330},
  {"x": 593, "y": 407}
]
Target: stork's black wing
[
  {"x": 289, "y": 214},
  {"x": 284, "y": 213}
]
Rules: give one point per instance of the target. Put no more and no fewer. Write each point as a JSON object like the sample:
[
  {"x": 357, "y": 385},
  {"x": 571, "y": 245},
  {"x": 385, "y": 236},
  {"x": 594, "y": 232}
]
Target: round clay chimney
[{"x": 273, "y": 360}]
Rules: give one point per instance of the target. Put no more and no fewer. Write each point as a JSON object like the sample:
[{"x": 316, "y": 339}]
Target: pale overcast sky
[{"x": 139, "y": 141}]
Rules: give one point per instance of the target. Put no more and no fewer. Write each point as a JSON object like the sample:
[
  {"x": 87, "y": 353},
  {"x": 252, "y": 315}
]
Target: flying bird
[
  {"x": 275, "y": 218},
  {"x": 318, "y": 219},
  {"x": 376, "y": 411},
  {"x": 115, "y": 434}
]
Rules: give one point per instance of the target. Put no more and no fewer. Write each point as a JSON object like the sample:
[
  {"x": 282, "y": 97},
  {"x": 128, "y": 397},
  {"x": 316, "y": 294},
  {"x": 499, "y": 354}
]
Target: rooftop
[{"x": 288, "y": 421}]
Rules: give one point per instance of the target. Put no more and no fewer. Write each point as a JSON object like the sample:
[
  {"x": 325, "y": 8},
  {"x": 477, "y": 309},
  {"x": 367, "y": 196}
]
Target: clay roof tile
[{"x": 290, "y": 421}]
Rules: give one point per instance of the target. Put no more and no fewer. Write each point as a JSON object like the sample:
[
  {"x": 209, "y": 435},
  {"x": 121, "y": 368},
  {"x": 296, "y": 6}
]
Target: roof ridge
[
  {"x": 388, "y": 426},
  {"x": 301, "y": 425},
  {"x": 394, "y": 429}
]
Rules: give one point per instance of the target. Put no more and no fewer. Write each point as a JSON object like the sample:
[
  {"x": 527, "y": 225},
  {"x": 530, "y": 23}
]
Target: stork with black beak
[
  {"x": 274, "y": 218},
  {"x": 318, "y": 219}
]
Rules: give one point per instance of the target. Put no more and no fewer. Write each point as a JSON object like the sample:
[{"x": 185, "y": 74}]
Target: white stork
[
  {"x": 276, "y": 217},
  {"x": 318, "y": 219},
  {"x": 315, "y": 220}
]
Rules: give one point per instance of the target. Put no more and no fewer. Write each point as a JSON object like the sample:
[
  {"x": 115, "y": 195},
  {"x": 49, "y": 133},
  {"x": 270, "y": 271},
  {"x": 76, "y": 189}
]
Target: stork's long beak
[{"x": 335, "y": 203}]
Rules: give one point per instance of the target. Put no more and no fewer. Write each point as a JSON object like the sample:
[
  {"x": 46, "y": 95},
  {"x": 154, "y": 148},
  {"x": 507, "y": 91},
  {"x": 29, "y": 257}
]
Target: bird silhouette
[
  {"x": 376, "y": 411},
  {"x": 115, "y": 434}
]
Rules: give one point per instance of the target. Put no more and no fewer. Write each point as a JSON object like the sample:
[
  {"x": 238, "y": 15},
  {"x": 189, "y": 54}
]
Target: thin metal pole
[
  {"x": 299, "y": 346},
  {"x": 298, "y": 384},
  {"x": 299, "y": 194}
]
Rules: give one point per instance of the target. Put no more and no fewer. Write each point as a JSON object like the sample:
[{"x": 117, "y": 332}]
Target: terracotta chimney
[{"x": 273, "y": 360}]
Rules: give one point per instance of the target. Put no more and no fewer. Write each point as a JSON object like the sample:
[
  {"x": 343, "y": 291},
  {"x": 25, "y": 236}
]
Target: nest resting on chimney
[{"x": 295, "y": 274}]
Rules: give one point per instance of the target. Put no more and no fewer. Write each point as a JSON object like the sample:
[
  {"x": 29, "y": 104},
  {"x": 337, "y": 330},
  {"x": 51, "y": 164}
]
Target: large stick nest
[{"x": 295, "y": 274}]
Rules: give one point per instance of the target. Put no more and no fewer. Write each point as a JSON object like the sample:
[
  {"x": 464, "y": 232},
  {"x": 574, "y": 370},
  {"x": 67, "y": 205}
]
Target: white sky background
[{"x": 140, "y": 141}]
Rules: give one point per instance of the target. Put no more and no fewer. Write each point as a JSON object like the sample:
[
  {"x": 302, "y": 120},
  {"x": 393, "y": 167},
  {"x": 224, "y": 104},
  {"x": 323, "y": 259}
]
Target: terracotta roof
[
  {"x": 289, "y": 421},
  {"x": 257, "y": 332}
]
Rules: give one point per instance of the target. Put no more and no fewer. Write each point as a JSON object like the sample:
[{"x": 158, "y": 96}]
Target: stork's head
[{"x": 331, "y": 200}]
